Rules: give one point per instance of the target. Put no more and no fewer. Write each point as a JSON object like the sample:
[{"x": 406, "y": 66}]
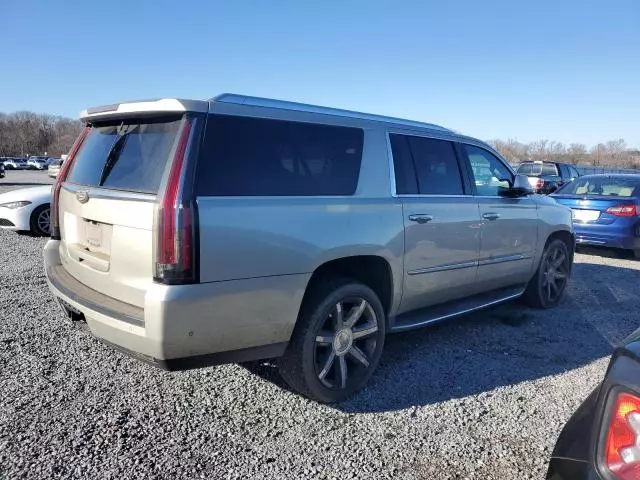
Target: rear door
[
  {"x": 509, "y": 233},
  {"x": 442, "y": 223},
  {"x": 106, "y": 205}
]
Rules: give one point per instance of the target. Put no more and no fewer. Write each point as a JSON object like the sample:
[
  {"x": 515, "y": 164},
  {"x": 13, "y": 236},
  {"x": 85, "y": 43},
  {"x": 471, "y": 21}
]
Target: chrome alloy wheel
[{"x": 345, "y": 343}]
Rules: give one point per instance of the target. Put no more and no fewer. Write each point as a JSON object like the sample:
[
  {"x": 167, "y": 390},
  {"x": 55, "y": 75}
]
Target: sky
[{"x": 564, "y": 70}]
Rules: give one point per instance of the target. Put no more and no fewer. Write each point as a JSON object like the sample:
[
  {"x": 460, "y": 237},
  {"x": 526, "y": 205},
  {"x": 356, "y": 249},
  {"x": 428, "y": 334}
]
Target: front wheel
[
  {"x": 41, "y": 221},
  {"x": 547, "y": 287},
  {"x": 337, "y": 343}
]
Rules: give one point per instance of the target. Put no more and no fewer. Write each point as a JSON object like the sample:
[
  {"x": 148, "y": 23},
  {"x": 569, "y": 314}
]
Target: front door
[
  {"x": 442, "y": 222},
  {"x": 509, "y": 232}
]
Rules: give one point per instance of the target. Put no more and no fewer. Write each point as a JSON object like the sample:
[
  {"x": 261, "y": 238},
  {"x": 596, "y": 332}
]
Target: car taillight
[
  {"x": 623, "y": 211},
  {"x": 62, "y": 175},
  {"x": 539, "y": 182},
  {"x": 174, "y": 226},
  {"x": 622, "y": 450}
]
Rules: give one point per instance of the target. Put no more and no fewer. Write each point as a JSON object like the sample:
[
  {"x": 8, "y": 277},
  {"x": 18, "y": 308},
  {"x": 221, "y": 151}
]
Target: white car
[
  {"x": 15, "y": 164},
  {"x": 26, "y": 209},
  {"x": 35, "y": 163}
]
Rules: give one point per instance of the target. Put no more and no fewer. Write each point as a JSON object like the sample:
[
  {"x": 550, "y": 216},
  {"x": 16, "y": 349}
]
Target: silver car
[{"x": 191, "y": 233}]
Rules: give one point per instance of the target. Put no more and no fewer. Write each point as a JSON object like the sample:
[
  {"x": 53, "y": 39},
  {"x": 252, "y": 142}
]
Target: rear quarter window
[{"x": 244, "y": 156}]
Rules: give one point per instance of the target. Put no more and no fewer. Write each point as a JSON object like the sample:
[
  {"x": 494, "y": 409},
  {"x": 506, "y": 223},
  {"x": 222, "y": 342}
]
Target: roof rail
[{"x": 302, "y": 107}]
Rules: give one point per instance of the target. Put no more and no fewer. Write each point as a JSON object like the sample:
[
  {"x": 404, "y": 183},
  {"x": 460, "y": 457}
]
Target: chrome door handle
[
  {"x": 420, "y": 218},
  {"x": 491, "y": 216}
]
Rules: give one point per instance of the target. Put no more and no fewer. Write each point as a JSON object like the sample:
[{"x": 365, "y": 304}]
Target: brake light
[
  {"x": 623, "y": 211},
  {"x": 539, "y": 183},
  {"x": 62, "y": 176},
  {"x": 622, "y": 450},
  {"x": 174, "y": 244}
]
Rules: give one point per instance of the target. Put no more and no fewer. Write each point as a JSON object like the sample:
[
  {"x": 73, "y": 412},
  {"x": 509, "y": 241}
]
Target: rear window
[
  {"x": 129, "y": 155},
  {"x": 245, "y": 156},
  {"x": 535, "y": 169},
  {"x": 603, "y": 186}
]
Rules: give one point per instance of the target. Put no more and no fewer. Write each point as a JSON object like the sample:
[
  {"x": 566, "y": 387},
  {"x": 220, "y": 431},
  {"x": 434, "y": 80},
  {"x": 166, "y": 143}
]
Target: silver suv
[{"x": 192, "y": 233}]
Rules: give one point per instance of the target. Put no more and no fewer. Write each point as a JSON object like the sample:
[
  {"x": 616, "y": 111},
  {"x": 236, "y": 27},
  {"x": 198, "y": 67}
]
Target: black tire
[
  {"x": 636, "y": 254},
  {"x": 555, "y": 264},
  {"x": 37, "y": 221},
  {"x": 306, "y": 365}
]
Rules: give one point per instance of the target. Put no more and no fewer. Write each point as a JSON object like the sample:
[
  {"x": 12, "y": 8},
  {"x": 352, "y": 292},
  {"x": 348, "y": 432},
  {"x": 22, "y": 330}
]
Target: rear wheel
[
  {"x": 636, "y": 253},
  {"x": 41, "y": 221},
  {"x": 337, "y": 343},
  {"x": 548, "y": 285}
]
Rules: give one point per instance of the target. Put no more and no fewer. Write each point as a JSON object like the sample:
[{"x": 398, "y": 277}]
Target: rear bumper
[
  {"x": 607, "y": 236},
  {"x": 187, "y": 326},
  {"x": 568, "y": 469}
]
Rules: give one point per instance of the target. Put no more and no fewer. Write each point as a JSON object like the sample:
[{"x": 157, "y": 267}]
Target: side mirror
[{"x": 520, "y": 187}]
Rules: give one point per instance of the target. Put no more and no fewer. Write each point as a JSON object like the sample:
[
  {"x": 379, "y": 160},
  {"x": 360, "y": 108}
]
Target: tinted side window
[
  {"x": 525, "y": 169},
  {"x": 564, "y": 171},
  {"x": 550, "y": 169},
  {"x": 245, "y": 156},
  {"x": 490, "y": 174},
  {"x": 574, "y": 172},
  {"x": 436, "y": 166},
  {"x": 405, "y": 173}
]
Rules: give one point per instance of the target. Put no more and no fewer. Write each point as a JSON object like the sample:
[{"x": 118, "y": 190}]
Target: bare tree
[{"x": 28, "y": 133}]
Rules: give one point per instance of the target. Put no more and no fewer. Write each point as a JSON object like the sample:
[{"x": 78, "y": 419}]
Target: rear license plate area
[
  {"x": 583, "y": 216},
  {"x": 93, "y": 234}
]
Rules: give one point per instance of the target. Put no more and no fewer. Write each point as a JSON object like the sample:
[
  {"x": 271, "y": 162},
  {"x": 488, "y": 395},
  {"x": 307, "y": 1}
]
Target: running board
[{"x": 444, "y": 311}]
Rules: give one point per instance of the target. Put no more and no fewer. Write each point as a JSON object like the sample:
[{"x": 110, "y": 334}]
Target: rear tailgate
[
  {"x": 106, "y": 204},
  {"x": 106, "y": 242}
]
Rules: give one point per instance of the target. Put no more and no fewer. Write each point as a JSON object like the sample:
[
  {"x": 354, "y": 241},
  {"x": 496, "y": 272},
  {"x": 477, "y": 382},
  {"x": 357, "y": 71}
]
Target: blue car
[{"x": 606, "y": 210}]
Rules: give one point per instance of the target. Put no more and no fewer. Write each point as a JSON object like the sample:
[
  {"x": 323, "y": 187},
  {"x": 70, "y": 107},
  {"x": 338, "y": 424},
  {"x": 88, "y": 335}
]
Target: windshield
[
  {"x": 603, "y": 186},
  {"x": 129, "y": 155},
  {"x": 535, "y": 169}
]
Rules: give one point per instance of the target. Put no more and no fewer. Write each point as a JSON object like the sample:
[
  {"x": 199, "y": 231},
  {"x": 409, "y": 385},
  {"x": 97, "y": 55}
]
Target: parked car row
[{"x": 30, "y": 163}]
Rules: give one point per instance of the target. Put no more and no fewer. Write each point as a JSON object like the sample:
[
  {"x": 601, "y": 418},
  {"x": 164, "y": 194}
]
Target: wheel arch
[{"x": 374, "y": 271}]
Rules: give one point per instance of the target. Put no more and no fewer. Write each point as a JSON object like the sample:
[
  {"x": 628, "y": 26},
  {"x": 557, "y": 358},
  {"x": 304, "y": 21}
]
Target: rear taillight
[
  {"x": 622, "y": 450},
  {"x": 174, "y": 246},
  {"x": 62, "y": 175},
  {"x": 623, "y": 211},
  {"x": 539, "y": 184}
]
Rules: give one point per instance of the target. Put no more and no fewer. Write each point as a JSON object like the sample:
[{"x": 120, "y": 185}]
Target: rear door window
[
  {"x": 436, "y": 165},
  {"x": 245, "y": 156},
  {"x": 404, "y": 170},
  {"x": 126, "y": 155}
]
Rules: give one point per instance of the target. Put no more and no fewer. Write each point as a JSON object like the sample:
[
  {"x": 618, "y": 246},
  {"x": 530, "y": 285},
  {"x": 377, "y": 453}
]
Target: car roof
[
  {"x": 176, "y": 105},
  {"x": 629, "y": 176},
  {"x": 303, "y": 107}
]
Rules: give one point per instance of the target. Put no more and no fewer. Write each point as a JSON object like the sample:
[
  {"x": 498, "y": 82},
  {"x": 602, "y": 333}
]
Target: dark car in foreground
[
  {"x": 602, "y": 438},
  {"x": 546, "y": 177},
  {"x": 605, "y": 209}
]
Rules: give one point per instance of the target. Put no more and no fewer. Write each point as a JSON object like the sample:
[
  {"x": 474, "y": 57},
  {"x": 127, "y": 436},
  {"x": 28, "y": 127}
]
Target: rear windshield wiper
[{"x": 112, "y": 158}]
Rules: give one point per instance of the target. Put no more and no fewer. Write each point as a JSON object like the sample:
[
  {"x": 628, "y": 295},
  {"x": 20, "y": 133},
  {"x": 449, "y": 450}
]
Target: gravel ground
[{"x": 480, "y": 397}]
